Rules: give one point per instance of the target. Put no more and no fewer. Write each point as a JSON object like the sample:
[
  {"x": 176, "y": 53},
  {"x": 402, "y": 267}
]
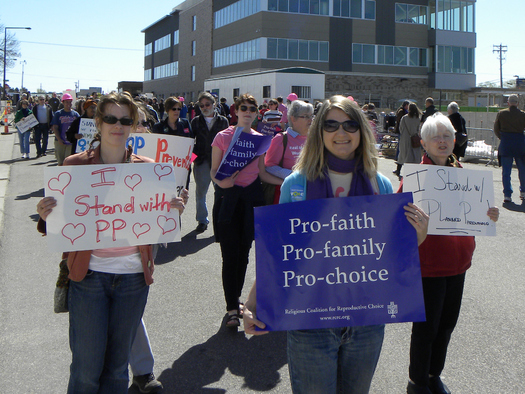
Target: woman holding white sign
[
  {"x": 339, "y": 159},
  {"x": 23, "y": 137},
  {"x": 235, "y": 198},
  {"x": 108, "y": 287},
  {"x": 444, "y": 262}
]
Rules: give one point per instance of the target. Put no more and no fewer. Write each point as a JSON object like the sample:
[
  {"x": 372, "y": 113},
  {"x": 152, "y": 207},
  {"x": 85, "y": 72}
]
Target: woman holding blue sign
[
  {"x": 235, "y": 198},
  {"x": 444, "y": 262},
  {"x": 339, "y": 159},
  {"x": 108, "y": 288}
]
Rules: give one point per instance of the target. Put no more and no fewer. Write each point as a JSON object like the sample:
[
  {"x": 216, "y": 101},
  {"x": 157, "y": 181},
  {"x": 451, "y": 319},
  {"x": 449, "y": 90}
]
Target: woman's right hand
[
  {"x": 45, "y": 207},
  {"x": 250, "y": 323}
]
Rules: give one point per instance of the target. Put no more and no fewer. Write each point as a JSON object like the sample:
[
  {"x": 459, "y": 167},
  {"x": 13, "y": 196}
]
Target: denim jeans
[
  {"x": 141, "y": 357},
  {"x": 512, "y": 147},
  {"x": 201, "y": 173},
  {"x": 334, "y": 360},
  {"x": 23, "y": 139},
  {"x": 41, "y": 134},
  {"x": 104, "y": 312}
]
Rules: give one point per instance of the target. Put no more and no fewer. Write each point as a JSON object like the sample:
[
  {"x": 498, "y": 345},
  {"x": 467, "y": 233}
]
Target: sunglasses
[
  {"x": 205, "y": 105},
  {"x": 176, "y": 109},
  {"x": 110, "y": 119},
  {"x": 350, "y": 126},
  {"x": 245, "y": 108}
]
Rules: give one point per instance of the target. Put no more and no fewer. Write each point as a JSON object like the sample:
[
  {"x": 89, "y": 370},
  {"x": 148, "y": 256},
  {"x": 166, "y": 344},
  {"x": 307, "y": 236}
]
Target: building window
[
  {"x": 389, "y": 55},
  {"x": 194, "y": 22},
  {"x": 409, "y": 13},
  {"x": 236, "y": 93},
  {"x": 267, "y": 91},
  {"x": 163, "y": 43},
  {"x": 312, "y": 7},
  {"x": 147, "y": 74},
  {"x": 148, "y": 49},
  {"x": 452, "y": 15},
  {"x": 166, "y": 70},
  {"x": 239, "y": 53},
  {"x": 193, "y": 73},
  {"x": 458, "y": 60},
  {"x": 284, "y": 49},
  {"x": 361, "y": 9},
  {"x": 302, "y": 92},
  {"x": 236, "y": 11},
  {"x": 193, "y": 48},
  {"x": 175, "y": 37}
]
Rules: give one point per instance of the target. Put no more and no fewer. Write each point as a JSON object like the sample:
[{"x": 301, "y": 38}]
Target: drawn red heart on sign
[
  {"x": 132, "y": 181},
  {"x": 140, "y": 229},
  {"x": 60, "y": 183},
  {"x": 166, "y": 224},
  {"x": 73, "y": 231},
  {"x": 161, "y": 170}
]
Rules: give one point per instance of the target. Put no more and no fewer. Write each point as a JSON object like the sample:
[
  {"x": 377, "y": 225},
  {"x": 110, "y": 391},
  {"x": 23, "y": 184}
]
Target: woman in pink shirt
[{"x": 235, "y": 198}]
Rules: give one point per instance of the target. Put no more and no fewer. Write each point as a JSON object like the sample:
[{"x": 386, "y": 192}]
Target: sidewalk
[{"x": 7, "y": 142}]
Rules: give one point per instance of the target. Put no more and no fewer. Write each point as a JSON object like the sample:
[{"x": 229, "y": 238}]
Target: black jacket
[{"x": 204, "y": 137}]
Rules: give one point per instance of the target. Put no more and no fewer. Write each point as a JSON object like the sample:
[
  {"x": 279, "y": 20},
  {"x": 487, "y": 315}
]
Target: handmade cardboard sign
[
  {"x": 243, "y": 149},
  {"x": 337, "y": 262},
  {"x": 105, "y": 206},
  {"x": 456, "y": 199},
  {"x": 27, "y": 123},
  {"x": 166, "y": 149},
  {"x": 88, "y": 130}
]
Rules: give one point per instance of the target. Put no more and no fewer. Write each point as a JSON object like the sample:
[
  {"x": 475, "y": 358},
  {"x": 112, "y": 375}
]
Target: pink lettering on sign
[
  {"x": 140, "y": 229},
  {"x": 161, "y": 170},
  {"x": 132, "y": 181},
  {"x": 102, "y": 173},
  {"x": 167, "y": 225},
  {"x": 73, "y": 231},
  {"x": 60, "y": 183}
]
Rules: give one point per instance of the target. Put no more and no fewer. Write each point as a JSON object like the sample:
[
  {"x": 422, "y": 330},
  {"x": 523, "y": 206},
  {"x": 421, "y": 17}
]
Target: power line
[
  {"x": 80, "y": 46},
  {"x": 502, "y": 49}
]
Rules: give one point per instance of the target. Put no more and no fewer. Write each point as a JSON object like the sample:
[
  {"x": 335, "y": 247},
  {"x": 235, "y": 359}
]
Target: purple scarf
[{"x": 322, "y": 188}]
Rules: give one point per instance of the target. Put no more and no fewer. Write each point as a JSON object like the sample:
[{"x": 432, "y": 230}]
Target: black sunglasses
[
  {"x": 176, "y": 109},
  {"x": 350, "y": 126},
  {"x": 245, "y": 108},
  {"x": 110, "y": 119}
]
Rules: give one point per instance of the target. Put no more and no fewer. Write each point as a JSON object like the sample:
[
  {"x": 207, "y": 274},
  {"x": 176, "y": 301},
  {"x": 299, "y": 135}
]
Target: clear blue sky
[{"x": 80, "y": 41}]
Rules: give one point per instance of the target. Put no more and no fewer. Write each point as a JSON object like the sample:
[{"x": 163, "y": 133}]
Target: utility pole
[{"x": 501, "y": 49}]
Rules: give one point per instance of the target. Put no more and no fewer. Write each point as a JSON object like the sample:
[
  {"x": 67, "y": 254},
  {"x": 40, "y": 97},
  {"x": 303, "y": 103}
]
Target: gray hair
[
  {"x": 299, "y": 107},
  {"x": 453, "y": 106},
  {"x": 513, "y": 99},
  {"x": 435, "y": 123}
]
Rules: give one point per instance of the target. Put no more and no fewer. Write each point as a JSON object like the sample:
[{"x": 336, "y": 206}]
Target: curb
[{"x": 7, "y": 142}]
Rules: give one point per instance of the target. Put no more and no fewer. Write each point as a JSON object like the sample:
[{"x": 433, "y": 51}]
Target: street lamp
[
  {"x": 4, "y": 95},
  {"x": 23, "y": 62}
]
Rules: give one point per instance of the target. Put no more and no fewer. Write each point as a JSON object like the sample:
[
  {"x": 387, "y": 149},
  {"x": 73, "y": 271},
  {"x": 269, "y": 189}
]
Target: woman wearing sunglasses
[
  {"x": 339, "y": 159},
  {"x": 235, "y": 198},
  {"x": 108, "y": 287},
  {"x": 173, "y": 124}
]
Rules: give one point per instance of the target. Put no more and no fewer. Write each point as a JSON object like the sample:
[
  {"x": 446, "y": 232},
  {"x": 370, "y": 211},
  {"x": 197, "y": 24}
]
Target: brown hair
[{"x": 245, "y": 98}]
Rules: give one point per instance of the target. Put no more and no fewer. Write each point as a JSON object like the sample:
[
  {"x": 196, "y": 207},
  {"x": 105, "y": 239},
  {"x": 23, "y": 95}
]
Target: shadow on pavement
[
  {"x": 36, "y": 193},
  {"x": 257, "y": 359},
  {"x": 511, "y": 206},
  {"x": 189, "y": 245}
]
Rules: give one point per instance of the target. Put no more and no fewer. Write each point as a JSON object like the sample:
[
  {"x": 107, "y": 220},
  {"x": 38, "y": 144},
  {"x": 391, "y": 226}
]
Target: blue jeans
[
  {"x": 334, "y": 360},
  {"x": 201, "y": 173},
  {"x": 104, "y": 312},
  {"x": 41, "y": 134},
  {"x": 23, "y": 139},
  {"x": 512, "y": 147},
  {"x": 141, "y": 357}
]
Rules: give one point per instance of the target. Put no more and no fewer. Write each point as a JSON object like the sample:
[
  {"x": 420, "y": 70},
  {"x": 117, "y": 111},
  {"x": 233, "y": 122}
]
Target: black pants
[
  {"x": 235, "y": 249},
  {"x": 429, "y": 342},
  {"x": 41, "y": 138}
]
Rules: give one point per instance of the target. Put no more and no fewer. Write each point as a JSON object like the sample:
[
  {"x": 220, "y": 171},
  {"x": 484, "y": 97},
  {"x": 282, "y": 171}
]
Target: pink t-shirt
[
  {"x": 249, "y": 173},
  {"x": 293, "y": 149}
]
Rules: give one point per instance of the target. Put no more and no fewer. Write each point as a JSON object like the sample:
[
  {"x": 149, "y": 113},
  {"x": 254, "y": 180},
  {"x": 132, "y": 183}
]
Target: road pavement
[{"x": 194, "y": 353}]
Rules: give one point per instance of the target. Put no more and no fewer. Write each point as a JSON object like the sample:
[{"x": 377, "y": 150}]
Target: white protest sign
[
  {"x": 456, "y": 199},
  {"x": 165, "y": 148},
  {"x": 114, "y": 205},
  {"x": 88, "y": 130},
  {"x": 26, "y": 123}
]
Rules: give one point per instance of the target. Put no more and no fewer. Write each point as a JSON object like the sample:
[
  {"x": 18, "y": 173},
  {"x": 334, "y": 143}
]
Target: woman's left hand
[
  {"x": 178, "y": 203},
  {"x": 185, "y": 195},
  {"x": 493, "y": 214},
  {"x": 418, "y": 219}
]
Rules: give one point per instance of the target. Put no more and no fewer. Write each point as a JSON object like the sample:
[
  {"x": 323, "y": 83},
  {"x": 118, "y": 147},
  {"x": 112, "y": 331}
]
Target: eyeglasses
[
  {"x": 110, "y": 119},
  {"x": 205, "y": 105},
  {"x": 350, "y": 126},
  {"x": 245, "y": 108},
  {"x": 176, "y": 109}
]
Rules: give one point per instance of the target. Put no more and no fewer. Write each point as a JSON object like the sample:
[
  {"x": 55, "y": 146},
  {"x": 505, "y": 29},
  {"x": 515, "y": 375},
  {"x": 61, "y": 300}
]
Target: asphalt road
[{"x": 186, "y": 308}]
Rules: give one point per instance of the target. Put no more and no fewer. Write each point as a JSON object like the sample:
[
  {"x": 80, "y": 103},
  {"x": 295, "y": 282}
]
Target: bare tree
[{"x": 13, "y": 49}]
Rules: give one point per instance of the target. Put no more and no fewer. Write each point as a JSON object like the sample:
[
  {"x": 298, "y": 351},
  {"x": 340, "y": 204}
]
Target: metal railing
[{"x": 488, "y": 137}]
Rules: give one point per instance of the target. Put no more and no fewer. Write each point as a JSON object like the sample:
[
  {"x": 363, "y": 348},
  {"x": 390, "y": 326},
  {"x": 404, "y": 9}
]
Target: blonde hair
[{"x": 313, "y": 159}]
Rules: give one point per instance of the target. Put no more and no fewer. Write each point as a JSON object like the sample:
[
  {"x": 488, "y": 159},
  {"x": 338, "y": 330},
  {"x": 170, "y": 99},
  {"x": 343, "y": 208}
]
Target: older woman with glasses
[
  {"x": 108, "y": 287},
  {"x": 339, "y": 159},
  {"x": 235, "y": 198},
  {"x": 173, "y": 124}
]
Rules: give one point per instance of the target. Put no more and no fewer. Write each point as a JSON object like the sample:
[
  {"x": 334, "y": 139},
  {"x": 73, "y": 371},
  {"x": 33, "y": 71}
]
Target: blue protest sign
[
  {"x": 337, "y": 262},
  {"x": 243, "y": 149}
]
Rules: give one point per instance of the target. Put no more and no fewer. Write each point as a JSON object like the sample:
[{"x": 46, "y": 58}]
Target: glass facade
[
  {"x": 452, "y": 15},
  {"x": 389, "y": 55},
  {"x": 163, "y": 43},
  {"x": 362, "y": 9},
  {"x": 410, "y": 13},
  {"x": 239, "y": 53},
  {"x": 148, "y": 49},
  {"x": 166, "y": 70},
  {"x": 287, "y": 49},
  {"x": 458, "y": 60},
  {"x": 236, "y": 11},
  {"x": 175, "y": 37},
  {"x": 147, "y": 74}
]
